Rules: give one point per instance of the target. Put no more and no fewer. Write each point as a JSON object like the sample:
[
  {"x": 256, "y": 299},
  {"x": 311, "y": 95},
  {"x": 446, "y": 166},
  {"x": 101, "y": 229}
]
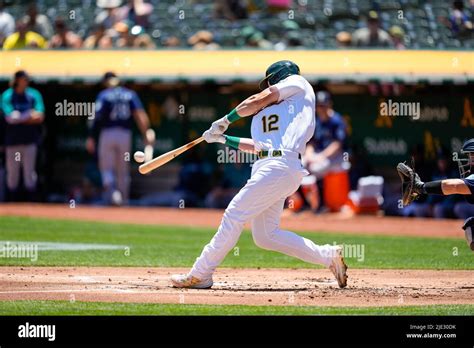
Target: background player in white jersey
[{"x": 283, "y": 122}]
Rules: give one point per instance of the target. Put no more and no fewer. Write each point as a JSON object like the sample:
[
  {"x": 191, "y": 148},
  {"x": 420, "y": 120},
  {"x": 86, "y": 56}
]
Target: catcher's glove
[{"x": 412, "y": 186}]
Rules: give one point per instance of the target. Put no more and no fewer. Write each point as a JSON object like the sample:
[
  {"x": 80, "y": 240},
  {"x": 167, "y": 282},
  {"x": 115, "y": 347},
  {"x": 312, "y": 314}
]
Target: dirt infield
[
  {"x": 308, "y": 287},
  {"x": 306, "y": 221}
]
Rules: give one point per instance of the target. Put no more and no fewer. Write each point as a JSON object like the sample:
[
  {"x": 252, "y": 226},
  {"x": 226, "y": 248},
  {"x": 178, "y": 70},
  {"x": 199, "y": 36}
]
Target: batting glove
[
  {"x": 219, "y": 126},
  {"x": 213, "y": 138}
]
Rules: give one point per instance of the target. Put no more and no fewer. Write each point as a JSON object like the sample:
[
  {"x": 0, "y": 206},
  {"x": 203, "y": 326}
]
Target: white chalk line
[
  {"x": 74, "y": 291},
  {"x": 60, "y": 246}
]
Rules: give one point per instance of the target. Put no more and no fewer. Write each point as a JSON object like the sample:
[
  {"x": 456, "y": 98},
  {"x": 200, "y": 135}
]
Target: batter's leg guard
[{"x": 468, "y": 227}]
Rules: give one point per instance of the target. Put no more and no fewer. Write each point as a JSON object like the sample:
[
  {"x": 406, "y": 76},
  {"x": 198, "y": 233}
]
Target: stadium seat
[{"x": 421, "y": 23}]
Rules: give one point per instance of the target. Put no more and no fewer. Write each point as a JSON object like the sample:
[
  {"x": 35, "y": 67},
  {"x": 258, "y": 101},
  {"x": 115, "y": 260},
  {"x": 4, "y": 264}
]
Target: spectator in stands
[
  {"x": 23, "y": 109},
  {"x": 294, "y": 40},
  {"x": 372, "y": 35},
  {"x": 291, "y": 40},
  {"x": 124, "y": 39},
  {"x": 203, "y": 40},
  {"x": 135, "y": 12},
  {"x": 171, "y": 41},
  {"x": 343, "y": 39},
  {"x": 277, "y": 6},
  {"x": 292, "y": 37},
  {"x": 63, "y": 37},
  {"x": 397, "y": 34},
  {"x": 459, "y": 21},
  {"x": 230, "y": 9},
  {"x": 132, "y": 37},
  {"x": 23, "y": 38},
  {"x": 37, "y": 22},
  {"x": 98, "y": 39},
  {"x": 142, "y": 40},
  {"x": 7, "y": 23},
  {"x": 254, "y": 38},
  {"x": 108, "y": 17}
]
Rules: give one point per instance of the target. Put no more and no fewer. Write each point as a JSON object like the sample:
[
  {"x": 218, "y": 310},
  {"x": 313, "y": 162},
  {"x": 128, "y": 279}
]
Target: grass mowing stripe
[
  {"x": 106, "y": 308},
  {"x": 174, "y": 246}
]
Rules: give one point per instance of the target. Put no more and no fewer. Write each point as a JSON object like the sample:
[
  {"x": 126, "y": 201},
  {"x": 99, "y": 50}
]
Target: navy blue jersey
[
  {"x": 469, "y": 181},
  {"x": 114, "y": 107},
  {"x": 21, "y": 134},
  {"x": 333, "y": 129}
]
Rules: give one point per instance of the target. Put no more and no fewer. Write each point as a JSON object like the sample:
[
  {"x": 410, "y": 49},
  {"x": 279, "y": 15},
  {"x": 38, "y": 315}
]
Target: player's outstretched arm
[
  {"x": 444, "y": 187},
  {"x": 257, "y": 102},
  {"x": 413, "y": 187},
  {"x": 454, "y": 187},
  {"x": 248, "y": 107}
]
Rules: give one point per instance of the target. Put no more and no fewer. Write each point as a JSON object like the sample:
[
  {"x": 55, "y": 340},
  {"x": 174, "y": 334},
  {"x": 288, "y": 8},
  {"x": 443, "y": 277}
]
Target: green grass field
[
  {"x": 168, "y": 246},
  {"x": 179, "y": 246},
  {"x": 106, "y": 308}
]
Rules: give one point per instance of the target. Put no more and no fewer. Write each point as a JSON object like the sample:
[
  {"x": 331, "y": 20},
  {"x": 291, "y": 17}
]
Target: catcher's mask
[{"x": 465, "y": 164}]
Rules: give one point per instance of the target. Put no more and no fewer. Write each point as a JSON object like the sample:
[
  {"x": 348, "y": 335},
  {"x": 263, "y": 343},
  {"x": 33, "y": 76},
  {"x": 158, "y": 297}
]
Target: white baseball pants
[{"x": 261, "y": 201}]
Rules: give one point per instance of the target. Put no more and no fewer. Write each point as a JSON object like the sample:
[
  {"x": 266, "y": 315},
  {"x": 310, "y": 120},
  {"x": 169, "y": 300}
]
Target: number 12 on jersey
[{"x": 270, "y": 123}]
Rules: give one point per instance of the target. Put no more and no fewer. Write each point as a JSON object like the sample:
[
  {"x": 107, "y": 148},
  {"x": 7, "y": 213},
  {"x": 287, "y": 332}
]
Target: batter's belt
[{"x": 278, "y": 153}]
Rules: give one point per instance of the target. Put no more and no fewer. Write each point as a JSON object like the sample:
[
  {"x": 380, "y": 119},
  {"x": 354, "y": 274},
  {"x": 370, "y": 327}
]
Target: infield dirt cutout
[{"x": 294, "y": 287}]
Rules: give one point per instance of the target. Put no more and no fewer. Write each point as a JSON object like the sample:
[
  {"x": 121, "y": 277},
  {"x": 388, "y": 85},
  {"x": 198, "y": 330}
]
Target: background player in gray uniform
[
  {"x": 413, "y": 187},
  {"x": 116, "y": 109},
  {"x": 24, "y": 113}
]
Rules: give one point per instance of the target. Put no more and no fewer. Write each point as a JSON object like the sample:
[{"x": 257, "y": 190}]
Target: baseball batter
[{"x": 283, "y": 122}]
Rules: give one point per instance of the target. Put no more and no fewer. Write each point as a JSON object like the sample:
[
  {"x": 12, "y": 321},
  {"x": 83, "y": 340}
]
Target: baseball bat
[{"x": 166, "y": 157}]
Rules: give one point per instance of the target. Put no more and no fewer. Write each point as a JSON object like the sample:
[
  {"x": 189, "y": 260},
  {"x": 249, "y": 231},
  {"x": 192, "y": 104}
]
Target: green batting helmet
[{"x": 279, "y": 71}]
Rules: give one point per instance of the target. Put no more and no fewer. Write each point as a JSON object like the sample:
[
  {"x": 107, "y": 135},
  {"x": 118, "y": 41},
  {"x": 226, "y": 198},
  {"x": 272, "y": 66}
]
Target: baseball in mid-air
[{"x": 139, "y": 156}]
